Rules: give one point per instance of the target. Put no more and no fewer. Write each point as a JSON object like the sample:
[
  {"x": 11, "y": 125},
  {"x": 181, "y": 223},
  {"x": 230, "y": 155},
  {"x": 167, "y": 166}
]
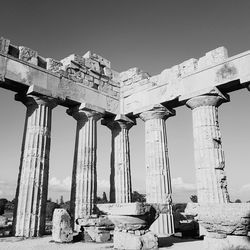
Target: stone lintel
[
  {"x": 38, "y": 91},
  {"x": 213, "y": 97},
  {"x": 91, "y": 107},
  {"x": 143, "y": 109},
  {"x": 157, "y": 112}
]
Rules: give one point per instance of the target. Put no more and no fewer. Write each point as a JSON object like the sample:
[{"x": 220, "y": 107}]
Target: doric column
[
  {"x": 158, "y": 179},
  {"x": 84, "y": 179},
  {"x": 32, "y": 187},
  {"x": 208, "y": 153},
  {"x": 120, "y": 176}
]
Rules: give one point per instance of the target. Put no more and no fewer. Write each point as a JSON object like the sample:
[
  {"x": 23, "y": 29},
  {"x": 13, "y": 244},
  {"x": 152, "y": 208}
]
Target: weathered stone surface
[
  {"x": 135, "y": 208},
  {"x": 4, "y": 45},
  {"x": 62, "y": 231},
  {"x": 97, "y": 58},
  {"x": 213, "y": 57},
  {"x": 158, "y": 180},
  {"x": 120, "y": 177},
  {"x": 84, "y": 179},
  {"x": 100, "y": 221},
  {"x": 72, "y": 58},
  {"x": 28, "y": 55},
  {"x": 3, "y": 221},
  {"x": 188, "y": 67},
  {"x": 32, "y": 187},
  {"x": 137, "y": 216},
  {"x": 228, "y": 243},
  {"x": 209, "y": 156},
  {"x": 126, "y": 75},
  {"x": 124, "y": 240},
  {"x": 96, "y": 234},
  {"x": 230, "y": 218},
  {"x": 53, "y": 65}
]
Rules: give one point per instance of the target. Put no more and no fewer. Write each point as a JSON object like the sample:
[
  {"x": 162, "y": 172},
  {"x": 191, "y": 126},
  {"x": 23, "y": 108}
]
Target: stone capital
[
  {"x": 83, "y": 114},
  {"x": 118, "y": 122},
  {"x": 33, "y": 101},
  {"x": 212, "y": 98},
  {"x": 157, "y": 112}
]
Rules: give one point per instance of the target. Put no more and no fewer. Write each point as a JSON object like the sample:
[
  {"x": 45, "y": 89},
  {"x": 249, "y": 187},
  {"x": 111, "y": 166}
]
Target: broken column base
[
  {"x": 136, "y": 240},
  {"x": 226, "y": 242}
]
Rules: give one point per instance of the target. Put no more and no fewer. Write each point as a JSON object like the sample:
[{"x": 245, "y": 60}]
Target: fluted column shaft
[
  {"x": 120, "y": 176},
  {"x": 208, "y": 152},
  {"x": 32, "y": 188},
  {"x": 84, "y": 178},
  {"x": 158, "y": 179}
]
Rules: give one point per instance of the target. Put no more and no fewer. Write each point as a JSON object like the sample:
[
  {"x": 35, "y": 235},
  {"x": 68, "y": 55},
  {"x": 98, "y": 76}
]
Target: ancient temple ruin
[{"x": 91, "y": 90}]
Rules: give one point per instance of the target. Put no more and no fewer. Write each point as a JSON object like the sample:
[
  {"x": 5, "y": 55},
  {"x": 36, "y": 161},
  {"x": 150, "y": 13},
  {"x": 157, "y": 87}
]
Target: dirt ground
[{"x": 9, "y": 243}]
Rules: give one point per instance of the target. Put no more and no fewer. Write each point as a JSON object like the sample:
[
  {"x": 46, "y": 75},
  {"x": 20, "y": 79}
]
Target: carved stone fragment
[
  {"x": 62, "y": 231},
  {"x": 4, "y": 45},
  {"x": 53, "y": 65},
  {"x": 28, "y": 55}
]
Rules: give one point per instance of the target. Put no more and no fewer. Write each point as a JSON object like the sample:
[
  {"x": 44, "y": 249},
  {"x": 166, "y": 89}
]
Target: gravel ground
[{"x": 12, "y": 243}]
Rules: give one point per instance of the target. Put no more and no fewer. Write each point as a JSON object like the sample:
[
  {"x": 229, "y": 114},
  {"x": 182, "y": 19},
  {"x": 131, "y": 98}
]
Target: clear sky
[{"x": 152, "y": 35}]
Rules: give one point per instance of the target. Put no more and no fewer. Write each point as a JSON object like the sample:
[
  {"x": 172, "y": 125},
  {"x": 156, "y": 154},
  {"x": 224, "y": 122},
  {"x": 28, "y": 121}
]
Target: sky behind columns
[{"x": 151, "y": 35}]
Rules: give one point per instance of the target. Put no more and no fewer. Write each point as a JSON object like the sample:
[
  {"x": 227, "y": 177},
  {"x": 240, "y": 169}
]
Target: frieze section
[{"x": 90, "y": 70}]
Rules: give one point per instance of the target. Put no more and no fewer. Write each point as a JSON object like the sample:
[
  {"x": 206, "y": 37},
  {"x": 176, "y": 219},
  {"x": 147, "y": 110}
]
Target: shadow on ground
[{"x": 170, "y": 241}]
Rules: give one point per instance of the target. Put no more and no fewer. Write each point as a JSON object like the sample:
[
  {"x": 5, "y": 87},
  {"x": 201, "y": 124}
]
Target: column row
[{"x": 31, "y": 195}]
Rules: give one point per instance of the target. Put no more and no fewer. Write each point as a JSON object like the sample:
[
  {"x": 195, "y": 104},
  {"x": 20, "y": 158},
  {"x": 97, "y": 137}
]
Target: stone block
[
  {"x": 227, "y": 243},
  {"x": 28, "y": 55},
  {"x": 154, "y": 79},
  {"x": 128, "y": 74},
  {"x": 75, "y": 58},
  {"x": 188, "y": 67},
  {"x": 89, "y": 78},
  {"x": 141, "y": 76},
  {"x": 124, "y": 240},
  {"x": 4, "y": 45},
  {"x": 91, "y": 221},
  {"x": 107, "y": 72},
  {"x": 97, "y": 58},
  {"x": 115, "y": 77},
  {"x": 93, "y": 65},
  {"x": 53, "y": 65},
  {"x": 101, "y": 60},
  {"x": 170, "y": 75},
  {"x": 135, "y": 208},
  {"x": 62, "y": 231},
  {"x": 96, "y": 234},
  {"x": 3, "y": 221},
  {"x": 227, "y": 218},
  {"x": 213, "y": 57}
]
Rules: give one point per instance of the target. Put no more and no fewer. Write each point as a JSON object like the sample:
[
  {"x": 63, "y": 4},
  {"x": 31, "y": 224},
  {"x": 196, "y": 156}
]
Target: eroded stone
[
  {"x": 62, "y": 231},
  {"x": 123, "y": 240}
]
